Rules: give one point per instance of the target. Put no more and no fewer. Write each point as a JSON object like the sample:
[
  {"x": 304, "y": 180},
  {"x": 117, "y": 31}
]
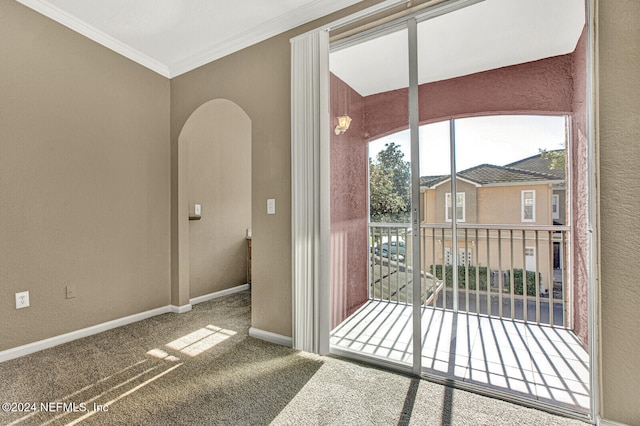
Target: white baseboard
[
  {"x": 220, "y": 293},
  {"x": 78, "y": 334},
  {"x": 180, "y": 309},
  {"x": 271, "y": 337},
  {"x": 605, "y": 422},
  {"x": 99, "y": 328}
]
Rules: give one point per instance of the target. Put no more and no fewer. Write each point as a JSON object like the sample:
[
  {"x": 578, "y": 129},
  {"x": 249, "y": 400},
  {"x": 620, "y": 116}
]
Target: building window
[
  {"x": 555, "y": 206},
  {"x": 459, "y": 207},
  {"x": 528, "y": 206}
]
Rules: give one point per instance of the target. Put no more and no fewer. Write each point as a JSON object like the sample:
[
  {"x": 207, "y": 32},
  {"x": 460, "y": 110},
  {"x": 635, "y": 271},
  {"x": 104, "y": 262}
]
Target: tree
[
  {"x": 390, "y": 186},
  {"x": 558, "y": 158}
]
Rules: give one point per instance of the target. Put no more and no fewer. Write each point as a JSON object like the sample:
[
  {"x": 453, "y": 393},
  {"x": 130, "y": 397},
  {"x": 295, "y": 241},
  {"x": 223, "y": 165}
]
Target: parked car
[{"x": 396, "y": 250}]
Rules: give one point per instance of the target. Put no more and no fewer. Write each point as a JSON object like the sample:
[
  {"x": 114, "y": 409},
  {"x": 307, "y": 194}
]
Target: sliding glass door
[
  {"x": 452, "y": 220},
  {"x": 371, "y": 171}
]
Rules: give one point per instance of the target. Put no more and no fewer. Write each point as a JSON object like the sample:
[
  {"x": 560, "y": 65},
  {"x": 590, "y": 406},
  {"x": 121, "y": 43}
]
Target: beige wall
[
  {"x": 502, "y": 204},
  {"x": 85, "y": 181},
  {"x": 436, "y": 209},
  {"x": 218, "y": 141},
  {"x": 84, "y": 178},
  {"x": 490, "y": 204},
  {"x": 619, "y": 135},
  {"x": 258, "y": 80}
]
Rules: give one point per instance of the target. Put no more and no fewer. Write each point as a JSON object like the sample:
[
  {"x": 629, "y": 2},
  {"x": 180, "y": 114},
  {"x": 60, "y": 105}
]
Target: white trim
[
  {"x": 555, "y": 202},
  {"x": 533, "y": 210},
  {"x": 476, "y": 184},
  {"x": 605, "y": 422},
  {"x": 447, "y": 197},
  {"x": 180, "y": 309},
  {"x": 60, "y": 16},
  {"x": 217, "y": 294},
  {"x": 293, "y": 19},
  {"x": 279, "y": 25},
  {"x": 99, "y": 328},
  {"x": 524, "y": 183},
  {"x": 268, "y": 336},
  {"x": 363, "y": 14},
  {"x": 79, "y": 334}
]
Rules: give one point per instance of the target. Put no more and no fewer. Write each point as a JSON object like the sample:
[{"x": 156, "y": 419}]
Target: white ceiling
[
  {"x": 172, "y": 37},
  {"x": 484, "y": 36}
]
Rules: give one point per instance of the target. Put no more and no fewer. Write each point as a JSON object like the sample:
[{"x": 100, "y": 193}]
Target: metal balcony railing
[{"x": 506, "y": 271}]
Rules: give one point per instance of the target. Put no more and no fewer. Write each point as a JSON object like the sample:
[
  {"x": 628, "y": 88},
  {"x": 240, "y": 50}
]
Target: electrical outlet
[
  {"x": 22, "y": 300},
  {"x": 71, "y": 291}
]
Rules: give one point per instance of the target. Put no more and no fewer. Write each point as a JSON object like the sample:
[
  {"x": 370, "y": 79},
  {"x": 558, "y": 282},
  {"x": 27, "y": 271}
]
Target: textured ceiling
[
  {"x": 174, "y": 36},
  {"x": 484, "y": 36}
]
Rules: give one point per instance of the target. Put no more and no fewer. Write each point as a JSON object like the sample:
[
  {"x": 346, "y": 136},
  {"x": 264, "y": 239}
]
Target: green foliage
[
  {"x": 558, "y": 158},
  {"x": 390, "y": 186},
  {"x": 482, "y": 271}
]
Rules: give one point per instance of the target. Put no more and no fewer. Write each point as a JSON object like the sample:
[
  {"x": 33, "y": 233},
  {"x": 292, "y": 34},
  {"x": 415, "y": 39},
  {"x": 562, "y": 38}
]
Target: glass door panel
[{"x": 371, "y": 245}]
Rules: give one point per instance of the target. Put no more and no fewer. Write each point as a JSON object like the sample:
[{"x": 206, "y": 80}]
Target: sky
[{"x": 499, "y": 140}]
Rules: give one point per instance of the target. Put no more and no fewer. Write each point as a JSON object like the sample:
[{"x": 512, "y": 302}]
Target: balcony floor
[{"x": 538, "y": 362}]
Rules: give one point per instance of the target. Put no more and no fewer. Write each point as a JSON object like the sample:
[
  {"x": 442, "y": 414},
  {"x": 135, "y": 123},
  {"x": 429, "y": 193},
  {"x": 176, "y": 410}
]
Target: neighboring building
[
  {"x": 542, "y": 164},
  {"x": 525, "y": 194}
]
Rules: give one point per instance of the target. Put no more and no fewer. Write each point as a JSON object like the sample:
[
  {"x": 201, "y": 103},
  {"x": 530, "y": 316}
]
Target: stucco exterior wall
[
  {"x": 502, "y": 204},
  {"x": 540, "y": 87},
  {"x": 349, "y": 205}
]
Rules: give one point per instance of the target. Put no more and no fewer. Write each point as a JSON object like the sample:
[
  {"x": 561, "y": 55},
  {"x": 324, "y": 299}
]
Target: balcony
[{"x": 484, "y": 331}]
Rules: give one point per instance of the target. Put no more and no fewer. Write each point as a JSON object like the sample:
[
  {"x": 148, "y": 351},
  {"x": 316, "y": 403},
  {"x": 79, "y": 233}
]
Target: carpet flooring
[{"x": 202, "y": 368}]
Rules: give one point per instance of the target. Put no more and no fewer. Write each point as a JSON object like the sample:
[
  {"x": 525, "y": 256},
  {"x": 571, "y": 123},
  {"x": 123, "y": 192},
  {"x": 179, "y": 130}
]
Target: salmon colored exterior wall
[{"x": 552, "y": 86}]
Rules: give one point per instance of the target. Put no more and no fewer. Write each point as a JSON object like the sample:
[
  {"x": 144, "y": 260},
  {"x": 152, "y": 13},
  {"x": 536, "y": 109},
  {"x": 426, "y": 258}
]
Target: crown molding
[
  {"x": 283, "y": 23},
  {"x": 92, "y": 33},
  {"x": 279, "y": 25}
]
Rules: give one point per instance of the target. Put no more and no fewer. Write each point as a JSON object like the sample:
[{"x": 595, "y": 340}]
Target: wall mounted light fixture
[{"x": 343, "y": 124}]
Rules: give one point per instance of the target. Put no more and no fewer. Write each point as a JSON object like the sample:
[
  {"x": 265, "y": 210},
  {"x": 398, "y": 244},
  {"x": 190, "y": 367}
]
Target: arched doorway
[{"x": 214, "y": 173}]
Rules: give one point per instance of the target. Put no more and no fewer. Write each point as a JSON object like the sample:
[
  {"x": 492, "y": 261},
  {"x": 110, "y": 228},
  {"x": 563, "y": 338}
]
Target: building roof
[
  {"x": 487, "y": 174},
  {"x": 537, "y": 163}
]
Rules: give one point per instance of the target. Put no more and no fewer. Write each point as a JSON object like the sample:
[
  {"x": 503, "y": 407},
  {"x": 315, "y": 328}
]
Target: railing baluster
[
  {"x": 397, "y": 274},
  {"x": 433, "y": 268},
  {"x": 444, "y": 273},
  {"x": 477, "y": 273},
  {"x": 525, "y": 287},
  {"x": 406, "y": 267},
  {"x": 551, "y": 279},
  {"x": 565, "y": 305},
  {"x": 372, "y": 259},
  {"x": 466, "y": 269},
  {"x": 500, "y": 284},
  {"x": 488, "y": 272},
  {"x": 512, "y": 282},
  {"x": 386, "y": 287},
  {"x": 536, "y": 256}
]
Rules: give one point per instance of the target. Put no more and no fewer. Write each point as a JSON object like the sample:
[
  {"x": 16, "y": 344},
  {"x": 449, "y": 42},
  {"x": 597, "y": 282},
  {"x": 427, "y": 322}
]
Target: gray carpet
[{"x": 202, "y": 368}]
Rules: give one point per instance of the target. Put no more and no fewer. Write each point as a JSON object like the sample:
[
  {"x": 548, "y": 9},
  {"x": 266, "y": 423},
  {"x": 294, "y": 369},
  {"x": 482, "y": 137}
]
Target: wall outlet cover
[{"x": 22, "y": 300}]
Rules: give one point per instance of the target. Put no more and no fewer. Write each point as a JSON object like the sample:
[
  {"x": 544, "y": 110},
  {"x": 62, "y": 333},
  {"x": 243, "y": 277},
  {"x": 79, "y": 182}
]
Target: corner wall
[
  {"x": 84, "y": 177},
  {"x": 349, "y": 205}
]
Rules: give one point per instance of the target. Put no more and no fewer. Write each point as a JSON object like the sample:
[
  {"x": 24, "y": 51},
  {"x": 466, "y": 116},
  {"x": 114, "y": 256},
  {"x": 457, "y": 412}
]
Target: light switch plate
[
  {"x": 197, "y": 209},
  {"x": 271, "y": 206},
  {"x": 71, "y": 291}
]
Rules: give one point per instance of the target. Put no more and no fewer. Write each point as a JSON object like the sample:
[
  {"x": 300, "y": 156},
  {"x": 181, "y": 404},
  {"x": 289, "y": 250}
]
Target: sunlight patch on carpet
[{"x": 193, "y": 344}]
